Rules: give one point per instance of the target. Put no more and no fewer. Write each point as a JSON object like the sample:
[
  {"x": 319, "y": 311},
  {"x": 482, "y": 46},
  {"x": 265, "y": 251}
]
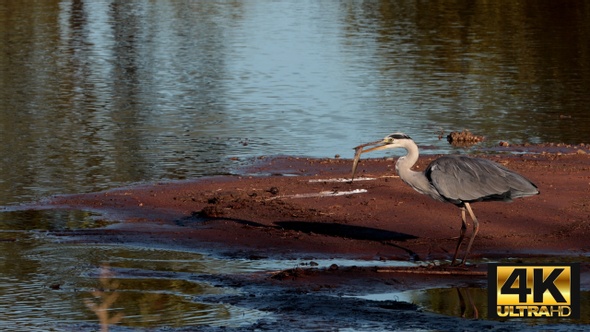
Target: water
[
  {"x": 46, "y": 280},
  {"x": 468, "y": 302},
  {"x": 99, "y": 94}
]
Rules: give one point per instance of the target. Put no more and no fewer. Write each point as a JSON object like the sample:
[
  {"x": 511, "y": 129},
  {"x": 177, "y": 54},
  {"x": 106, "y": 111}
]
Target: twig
[
  {"x": 101, "y": 309},
  {"x": 434, "y": 272}
]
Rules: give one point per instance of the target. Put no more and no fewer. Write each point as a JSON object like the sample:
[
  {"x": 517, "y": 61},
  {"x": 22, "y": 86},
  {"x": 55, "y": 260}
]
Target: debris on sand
[{"x": 463, "y": 138}]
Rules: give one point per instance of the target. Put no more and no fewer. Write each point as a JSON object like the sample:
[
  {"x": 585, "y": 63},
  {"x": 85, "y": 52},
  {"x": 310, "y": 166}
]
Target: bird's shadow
[
  {"x": 345, "y": 231},
  {"x": 311, "y": 227}
]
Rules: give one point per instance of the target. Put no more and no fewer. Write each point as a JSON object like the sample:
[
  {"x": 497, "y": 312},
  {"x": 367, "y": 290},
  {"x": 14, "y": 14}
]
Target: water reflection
[
  {"x": 99, "y": 93},
  {"x": 46, "y": 280},
  {"x": 54, "y": 220},
  {"x": 467, "y": 302}
]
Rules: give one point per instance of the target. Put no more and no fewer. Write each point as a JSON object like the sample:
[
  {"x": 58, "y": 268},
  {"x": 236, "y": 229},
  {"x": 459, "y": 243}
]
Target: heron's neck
[{"x": 403, "y": 166}]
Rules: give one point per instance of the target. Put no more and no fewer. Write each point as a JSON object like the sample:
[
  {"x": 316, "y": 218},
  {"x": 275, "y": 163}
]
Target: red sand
[{"x": 261, "y": 216}]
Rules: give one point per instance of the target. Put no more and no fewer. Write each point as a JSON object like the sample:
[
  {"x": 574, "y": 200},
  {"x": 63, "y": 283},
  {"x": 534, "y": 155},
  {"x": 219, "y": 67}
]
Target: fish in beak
[{"x": 377, "y": 145}]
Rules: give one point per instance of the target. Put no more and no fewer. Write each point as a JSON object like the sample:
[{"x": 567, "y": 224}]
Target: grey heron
[{"x": 457, "y": 179}]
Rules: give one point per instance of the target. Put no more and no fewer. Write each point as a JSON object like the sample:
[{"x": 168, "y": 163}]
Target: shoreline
[{"x": 305, "y": 206}]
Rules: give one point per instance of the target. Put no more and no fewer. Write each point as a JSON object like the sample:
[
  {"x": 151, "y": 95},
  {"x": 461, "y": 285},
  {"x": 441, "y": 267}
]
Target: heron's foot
[
  {"x": 455, "y": 263},
  {"x": 454, "y": 258}
]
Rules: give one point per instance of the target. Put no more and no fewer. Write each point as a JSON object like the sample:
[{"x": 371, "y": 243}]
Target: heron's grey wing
[{"x": 462, "y": 178}]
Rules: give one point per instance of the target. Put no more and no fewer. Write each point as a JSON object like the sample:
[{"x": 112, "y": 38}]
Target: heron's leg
[
  {"x": 461, "y": 234},
  {"x": 475, "y": 230},
  {"x": 475, "y": 311}
]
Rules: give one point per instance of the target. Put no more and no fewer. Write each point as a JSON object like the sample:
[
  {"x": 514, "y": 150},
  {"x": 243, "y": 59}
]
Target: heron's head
[
  {"x": 392, "y": 141},
  {"x": 395, "y": 140}
]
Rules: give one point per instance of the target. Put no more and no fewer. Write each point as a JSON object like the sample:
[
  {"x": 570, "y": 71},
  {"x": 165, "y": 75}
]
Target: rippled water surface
[
  {"x": 98, "y": 94},
  {"x": 47, "y": 281}
]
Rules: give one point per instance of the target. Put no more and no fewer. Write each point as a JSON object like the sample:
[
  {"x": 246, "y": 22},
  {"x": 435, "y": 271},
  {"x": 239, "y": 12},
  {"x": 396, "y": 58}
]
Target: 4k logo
[{"x": 533, "y": 290}]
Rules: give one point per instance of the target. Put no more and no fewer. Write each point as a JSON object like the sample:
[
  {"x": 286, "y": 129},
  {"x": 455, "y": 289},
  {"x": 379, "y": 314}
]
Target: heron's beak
[{"x": 379, "y": 145}]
